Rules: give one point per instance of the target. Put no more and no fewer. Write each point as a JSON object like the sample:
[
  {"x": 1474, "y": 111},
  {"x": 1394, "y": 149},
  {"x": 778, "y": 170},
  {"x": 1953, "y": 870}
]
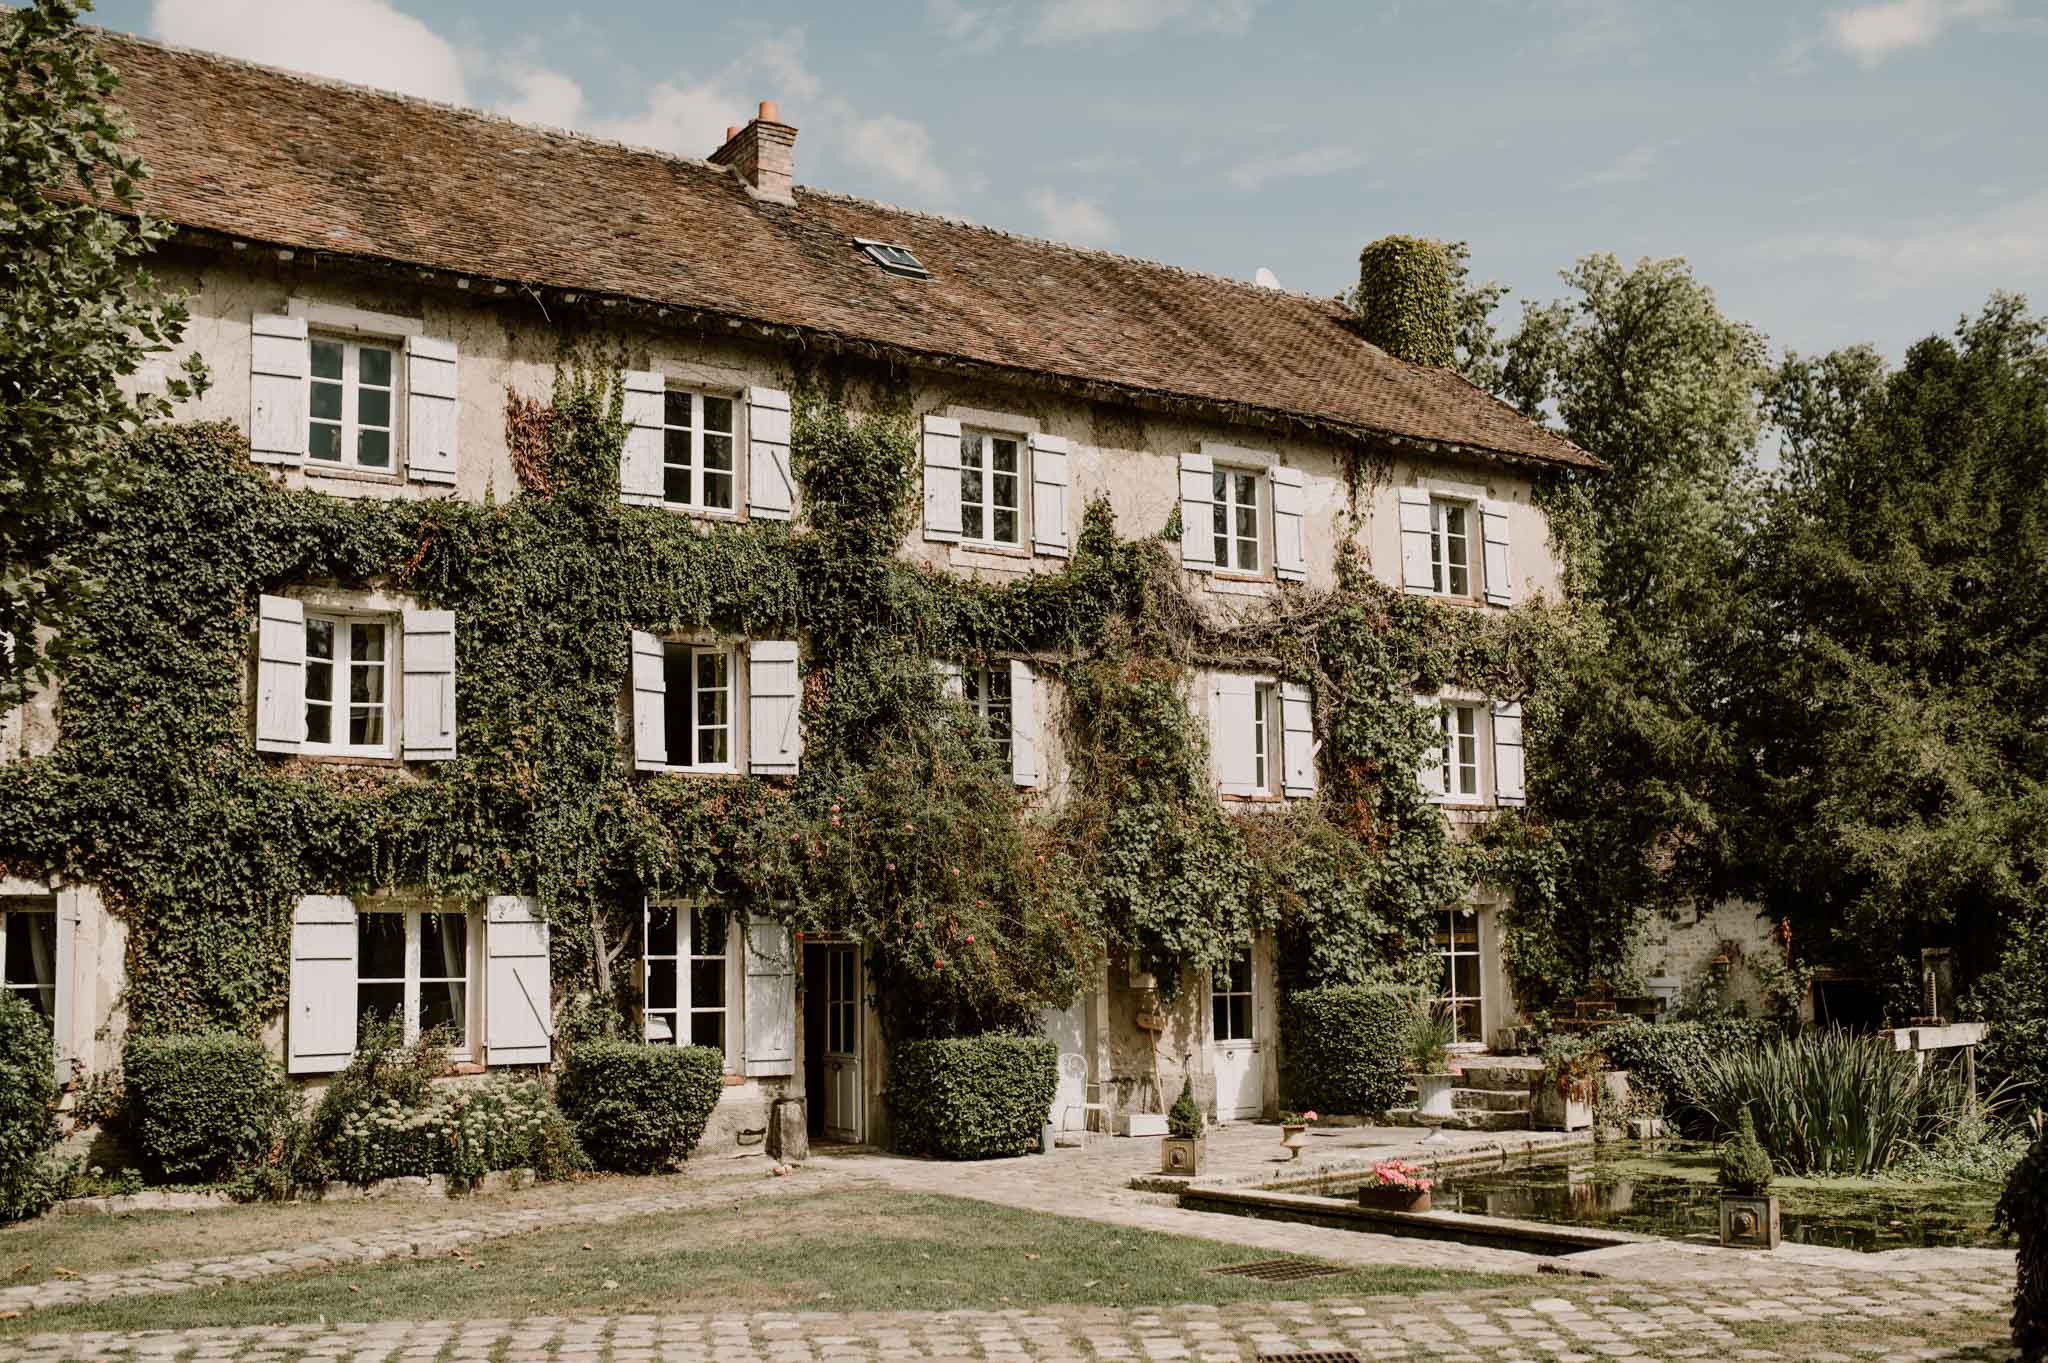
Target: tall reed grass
[{"x": 1830, "y": 1102}]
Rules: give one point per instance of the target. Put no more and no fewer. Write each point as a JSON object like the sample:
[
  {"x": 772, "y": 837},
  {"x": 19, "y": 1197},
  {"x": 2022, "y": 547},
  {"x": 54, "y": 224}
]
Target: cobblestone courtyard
[{"x": 1654, "y": 1301}]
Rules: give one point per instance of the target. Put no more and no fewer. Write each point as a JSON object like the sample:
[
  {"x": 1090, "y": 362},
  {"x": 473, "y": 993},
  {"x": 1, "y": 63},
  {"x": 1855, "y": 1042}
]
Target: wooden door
[
  {"x": 842, "y": 1044},
  {"x": 1237, "y": 1053}
]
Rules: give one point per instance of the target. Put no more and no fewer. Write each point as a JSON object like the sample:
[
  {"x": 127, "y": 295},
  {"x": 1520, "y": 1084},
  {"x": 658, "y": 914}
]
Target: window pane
[
  {"x": 366, "y": 683},
  {"x": 675, "y": 486},
  {"x": 1006, "y": 527},
  {"x": 707, "y": 984},
  {"x": 661, "y": 1028},
  {"x": 718, "y": 414},
  {"x": 319, "y": 719},
  {"x": 444, "y": 949},
  {"x": 374, "y": 366},
  {"x": 718, "y": 452},
  {"x": 971, "y": 486},
  {"x": 1219, "y": 488},
  {"x": 1465, "y": 976},
  {"x": 373, "y": 449},
  {"x": 1240, "y": 1017},
  {"x": 1247, "y": 522},
  {"x": 366, "y": 643},
  {"x": 380, "y": 946},
  {"x": 326, "y": 361},
  {"x": 675, "y": 410},
  {"x": 324, "y": 442},
  {"x": 1247, "y": 490},
  {"x": 971, "y": 455},
  {"x": 384, "y": 1002},
  {"x": 718, "y": 491},
  {"x": 325, "y": 401},
  {"x": 675, "y": 667},
  {"x": 1241, "y": 975},
  {"x": 445, "y": 1004},
  {"x": 971, "y": 521},
  {"x": 708, "y": 1029},
  {"x": 661, "y": 984},
  {"x": 1219, "y": 1019},
  {"x": 366, "y": 726},
  {"x": 373, "y": 407},
  {"x": 32, "y": 949},
  {"x": 675, "y": 447},
  {"x": 1468, "y": 1021},
  {"x": 319, "y": 639},
  {"x": 1461, "y": 581},
  {"x": 1005, "y": 455},
  {"x": 661, "y": 932},
  {"x": 710, "y": 929}
]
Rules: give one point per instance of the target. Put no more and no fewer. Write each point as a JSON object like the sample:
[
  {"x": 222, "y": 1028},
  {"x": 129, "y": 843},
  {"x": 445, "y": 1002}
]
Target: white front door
[
  {"x": 1067, "y": 1028},
  {"x": 842, "y": 1043},
  {"x": 1237, "y": 1054}
]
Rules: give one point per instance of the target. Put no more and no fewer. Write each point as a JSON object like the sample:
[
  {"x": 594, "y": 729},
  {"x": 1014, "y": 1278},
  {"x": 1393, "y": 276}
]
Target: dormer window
[{"x": 897, "y": 260}]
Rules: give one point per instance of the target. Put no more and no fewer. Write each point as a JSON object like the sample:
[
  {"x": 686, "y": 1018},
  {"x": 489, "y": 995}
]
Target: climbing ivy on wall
[{"x": 979, "y": 904}]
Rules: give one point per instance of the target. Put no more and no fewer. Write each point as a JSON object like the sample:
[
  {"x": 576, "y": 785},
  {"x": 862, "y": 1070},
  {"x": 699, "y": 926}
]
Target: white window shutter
[
  {"x": 1297, "y": 742},
  {"x": 1430, "y": 772},
  {"x": 941, "y": 478},
  {"x": 427, "y": 659},
  {"x": 640, "y": 473},
  {"x": 1415, "y": 561},
  {"x": 320, "y": 1036},
  {"x": 280, "y": 674},
  {"x": 1233, "y": 704},
  {"x": 1049, "y": 533},
  {"x": 1197, "y": 513},
  {"x": 1499, "y": 573},
  {"x": 775, "y": 740},
  {"x": 771, "y": 488},
  {"x": 430, "y": 409},
  {"x": 518, "y": 1015},
  {"x": 770, "y": 999},
  {"x": 1027, "y": 760},
  {"x": 64, "y": 1019},
  {"x": 951, "y": 684},
  {"x": 1507, "y": 753},
  {"x": 650, "y": 702},
  {"x": 1290, "y": 537},
  {"x": 278, "y": 369}
]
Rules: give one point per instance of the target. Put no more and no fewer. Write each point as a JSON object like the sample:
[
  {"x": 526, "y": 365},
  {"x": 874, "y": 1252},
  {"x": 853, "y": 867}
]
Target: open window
[
  {"x": 713, "y": 706},
  {"x": 354, "y": 676},
  {"x": 1261, "y": 737}
]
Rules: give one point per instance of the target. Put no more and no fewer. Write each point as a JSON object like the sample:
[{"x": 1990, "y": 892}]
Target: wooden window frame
[
  {"x": 33, "y": 906},
  {"x": 1228, "y": 544},
  {"x": 731, "y": 658},
  {"x": 415, "y": 980},
  {"x": 1226, "y": 976},
  {"x": 685, "y": 1008},
  {"x": 1449, "y": 952},
  {"x": 1441, "y": 564},
  {"x": 1448, "y": 715},
  {"x": 342, "y": 666},
  {"x": 350, "y": 425},
  {"x": 698, "y": 432},
  {"x": 978, "y": 440},
  {"x": 978, "y": 687}
]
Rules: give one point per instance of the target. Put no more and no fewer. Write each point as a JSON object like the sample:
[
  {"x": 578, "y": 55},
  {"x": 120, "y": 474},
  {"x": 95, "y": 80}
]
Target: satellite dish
[{"x": 1266, "y": 279}]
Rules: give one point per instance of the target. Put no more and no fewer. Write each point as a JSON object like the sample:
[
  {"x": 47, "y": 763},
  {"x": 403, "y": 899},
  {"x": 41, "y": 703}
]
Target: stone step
[
  {"x": 1486, "y": 1100},
  {"x": 1517, "y": 1077},
  {"x": 1464, "y": 1121}
]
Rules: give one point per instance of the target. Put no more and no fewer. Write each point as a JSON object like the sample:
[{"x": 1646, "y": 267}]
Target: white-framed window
[
  {"x": 1264, "y": 766},
  {"x": 1459, "y": 726},
  {"x": 1230, "y": 1000},
  {"x": 415, "y": 964},
  {"x": 991, "y": 488},
  {"x": 986, "y": 690},
  {"x": 697, "y": 468},
  {"x": 28, "y": 952},
  {"x": 1459, "y": 987},
  {"x": 1235, "y": 510},
  {"x": 1450, "y": 546},
  {"x": 699, "y": 680},
  {"x": 349, "y": 664},
  {"x": 352, "y": 403},
  {"x": 690, "y": 984}
]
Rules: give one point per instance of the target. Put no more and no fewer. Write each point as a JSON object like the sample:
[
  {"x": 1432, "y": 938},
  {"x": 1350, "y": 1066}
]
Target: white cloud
[
  {"x": 1628, "y": 168},
  {"x": 544, "y": 96},
  {"x": 1067, "y": 217},
  {"x": 1871, "y": 33},
  {"x": 899, "y": 149},
  {"x": 365, "y": 41},
  {"x": 2010, "y": 242},
  {"x": 1300, "y": 165},
  {"x": 975, "y": 29},
  {"x": 1066, "y": 21}
]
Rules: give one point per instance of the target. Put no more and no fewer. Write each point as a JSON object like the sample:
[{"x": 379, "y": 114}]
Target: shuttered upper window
[
  {"x": 987, "y": 690},
  {"x": 1458, "y": 726},
  {"x": 991, "y": 488},
  {"x": 348, "y": 685},
  {"x": 700, "y": 706},
  {"x": 351, "y": 403},
  {"x": 698, "y": 473},
  {"x": 1450, "y": 547},
  {"x": 1234, "y": 518}
]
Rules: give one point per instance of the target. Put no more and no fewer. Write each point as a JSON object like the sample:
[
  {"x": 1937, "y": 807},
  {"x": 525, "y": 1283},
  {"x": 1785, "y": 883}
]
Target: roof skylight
[{"x": 897, "y": 260}]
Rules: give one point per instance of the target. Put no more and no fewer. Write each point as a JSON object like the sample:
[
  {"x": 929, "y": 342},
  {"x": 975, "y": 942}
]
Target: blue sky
[{"x": 1838, "y": 173}]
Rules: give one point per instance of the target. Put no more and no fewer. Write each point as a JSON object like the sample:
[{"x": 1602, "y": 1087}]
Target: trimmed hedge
[
  {"x": 1347, "y": 1048},
  {"x": 2023, "y": 1212},
  {"x": 28, "y": 1107},
  {"x": 979, "y": 1097},
  {"x": 1668, "y": 1056},
  {"x": 639, "y": 1108},
  {"x": 202, "y": 1106}
]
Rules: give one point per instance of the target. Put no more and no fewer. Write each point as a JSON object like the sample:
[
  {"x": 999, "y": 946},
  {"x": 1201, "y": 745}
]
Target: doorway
[
  {"x": 1236, "y": 1051},
  {"x": 833, "y": 1012}
]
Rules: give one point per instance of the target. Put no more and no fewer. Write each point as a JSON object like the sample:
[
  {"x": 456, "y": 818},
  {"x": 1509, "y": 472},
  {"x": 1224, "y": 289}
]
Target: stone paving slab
[{"x": 1952, "y": 1318}]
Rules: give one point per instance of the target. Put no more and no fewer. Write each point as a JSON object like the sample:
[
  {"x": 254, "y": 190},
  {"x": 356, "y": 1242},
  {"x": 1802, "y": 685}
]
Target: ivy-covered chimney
[{"x": 1404, "y": 300}]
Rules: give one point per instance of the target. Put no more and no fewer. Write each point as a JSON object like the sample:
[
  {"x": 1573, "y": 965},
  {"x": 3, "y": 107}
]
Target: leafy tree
[{"x": 78, "y": 315}]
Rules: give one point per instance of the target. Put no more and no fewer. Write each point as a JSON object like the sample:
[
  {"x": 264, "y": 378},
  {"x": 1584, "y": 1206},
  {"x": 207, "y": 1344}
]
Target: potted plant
[
  {"x": 1396, "y": 1186},
  {"x": 1294, "y": 1131},
  {"x": 1564, "y": 1092},
  {"x": 1181, "y": 1148},
  {"x": 1431, "y": 1030},
  {"x": 1749, "y": 1211}
]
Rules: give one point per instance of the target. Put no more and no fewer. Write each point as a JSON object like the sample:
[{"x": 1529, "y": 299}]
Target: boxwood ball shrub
[
  {"x": 201, "y": 1106},
  {"x": 2023, "y": 1212},
  {"x": 976, "y": 1097},
  {"x": 639, "y": 1108},
  {"x": 1348, "y": 1046},
  {"x": 28, "y": 1101}
]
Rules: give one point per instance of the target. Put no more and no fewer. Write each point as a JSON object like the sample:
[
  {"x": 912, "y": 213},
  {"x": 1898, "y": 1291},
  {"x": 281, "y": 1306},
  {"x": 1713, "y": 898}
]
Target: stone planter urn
[
  {"x": 1433, "y": 1095},
  {"x": 1749, "y": 1222},
  {"x": 1182, "y": 1155},
  {"x": 1387, "y": 1197},
  {"x": 1563, "y": 1111},
  {"x": 1294, "y": 1135}
]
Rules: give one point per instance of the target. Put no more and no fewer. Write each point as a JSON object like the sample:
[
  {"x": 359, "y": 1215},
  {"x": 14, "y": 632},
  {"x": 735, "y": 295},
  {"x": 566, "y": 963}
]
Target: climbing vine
[{"x": 981, "y": 903}]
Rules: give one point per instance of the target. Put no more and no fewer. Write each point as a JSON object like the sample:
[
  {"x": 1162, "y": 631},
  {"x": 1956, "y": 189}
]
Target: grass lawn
[{"x": 857, "y": 1249}]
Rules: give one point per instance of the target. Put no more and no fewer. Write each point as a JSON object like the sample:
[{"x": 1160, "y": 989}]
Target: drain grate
[
  {"x": 1282, "y": 1271},
  {"x": 1326, "y": 1356}
]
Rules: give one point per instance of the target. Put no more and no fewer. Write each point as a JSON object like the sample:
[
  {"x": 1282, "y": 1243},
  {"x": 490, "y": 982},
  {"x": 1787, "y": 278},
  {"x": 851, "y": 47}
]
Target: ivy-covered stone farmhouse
[{"x": 371, "y": 276}]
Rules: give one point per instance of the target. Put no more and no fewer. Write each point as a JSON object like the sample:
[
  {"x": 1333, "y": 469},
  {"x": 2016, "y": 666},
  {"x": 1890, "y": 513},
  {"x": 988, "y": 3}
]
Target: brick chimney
[{"x": 764, "y": 154}]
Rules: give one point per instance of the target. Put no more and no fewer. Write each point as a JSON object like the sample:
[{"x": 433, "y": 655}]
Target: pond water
[{"x": 1668, "y": 1190}]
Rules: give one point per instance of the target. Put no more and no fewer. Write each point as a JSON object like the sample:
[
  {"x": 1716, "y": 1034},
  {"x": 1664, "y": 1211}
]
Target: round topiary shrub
[
  {"x": 639, "y": 1108},
  {"x": 28, "y": 1106},
  {"x": 978, "y": 1097},
  {"x": 2023, "y": 1212},
  {"x": 1347, "y": 1047},
  {"x": 1745, "y": 1169},
  {"x": 199, "y": 1107}
]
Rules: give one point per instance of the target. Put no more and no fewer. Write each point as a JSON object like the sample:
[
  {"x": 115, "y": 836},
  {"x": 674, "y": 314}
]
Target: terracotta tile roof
[{"x": 287, "y": 160}]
